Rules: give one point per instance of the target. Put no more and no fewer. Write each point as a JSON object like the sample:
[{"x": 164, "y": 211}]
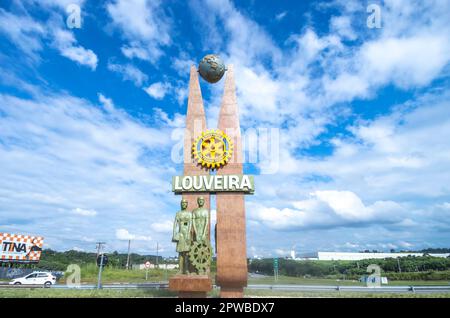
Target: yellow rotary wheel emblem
[{"x": 212, "y": 149}]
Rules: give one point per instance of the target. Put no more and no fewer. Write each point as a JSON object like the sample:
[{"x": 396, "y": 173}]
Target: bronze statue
[
  {"x": 201, "y": 253},
  {"x": 200, "y": 221},
  {"x": 190, "y": 232},
  {"x": 182, "y": 229}
]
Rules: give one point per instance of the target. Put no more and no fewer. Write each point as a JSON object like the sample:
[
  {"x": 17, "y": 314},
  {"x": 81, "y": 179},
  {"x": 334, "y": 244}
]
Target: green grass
[
  {"x": 82, "y": 293},
  {"x": 282, "y": 280},
  {"x": 89, "y": 274},
  {"x": 139, "y": 293},
  {"x": 327, "y": 281},
  {"x": 269, "y": 293}
]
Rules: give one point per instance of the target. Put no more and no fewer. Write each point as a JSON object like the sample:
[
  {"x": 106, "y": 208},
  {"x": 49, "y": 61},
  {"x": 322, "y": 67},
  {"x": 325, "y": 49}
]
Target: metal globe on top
[{"x": 211, "y": 68}]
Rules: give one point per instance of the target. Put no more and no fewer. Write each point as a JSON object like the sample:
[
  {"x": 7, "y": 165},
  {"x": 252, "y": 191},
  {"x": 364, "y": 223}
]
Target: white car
[{"x": 35, "y": 278}]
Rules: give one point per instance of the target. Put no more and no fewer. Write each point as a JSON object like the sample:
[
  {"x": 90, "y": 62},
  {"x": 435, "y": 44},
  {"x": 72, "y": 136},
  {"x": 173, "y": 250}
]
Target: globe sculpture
[{"x": 211, "y": 68}]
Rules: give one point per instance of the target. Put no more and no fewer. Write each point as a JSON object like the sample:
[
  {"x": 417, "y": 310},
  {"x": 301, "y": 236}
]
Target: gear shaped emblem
[
  {"x": 200, "y": 256},
  {"x": 213, "y": 149}
]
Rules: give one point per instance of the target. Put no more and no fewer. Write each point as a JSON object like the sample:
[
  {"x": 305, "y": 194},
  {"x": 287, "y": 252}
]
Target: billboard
[{"x": 16, "y": 248}]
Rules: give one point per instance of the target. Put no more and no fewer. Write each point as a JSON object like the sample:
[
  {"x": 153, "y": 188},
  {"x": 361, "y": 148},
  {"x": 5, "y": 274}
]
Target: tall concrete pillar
[
  {"x": 195, "y": 124},
  {"x": 231, "y": 237}
]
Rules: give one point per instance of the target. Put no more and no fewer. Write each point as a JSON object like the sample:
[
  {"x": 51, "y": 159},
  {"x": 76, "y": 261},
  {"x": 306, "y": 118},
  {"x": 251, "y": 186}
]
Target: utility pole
[
  {"x": 398, "y": 263},
  {"x": 99, "y": 248},
  {"x": 128, "y": 257},
  {"x": 99, "y": 279},
  {"x": 157, "y": 255}
]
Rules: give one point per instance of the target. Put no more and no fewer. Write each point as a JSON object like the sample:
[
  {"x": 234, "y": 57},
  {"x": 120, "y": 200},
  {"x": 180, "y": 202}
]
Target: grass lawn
[
  {"x": 325, "y": 281},
  {"x": 282, "y": 280},
  {"x": 89, "y": 274},
  {"x": 269, "y": 293},
  {"x": 82, "y": 293},
  {"x": 139, "y": 293}
]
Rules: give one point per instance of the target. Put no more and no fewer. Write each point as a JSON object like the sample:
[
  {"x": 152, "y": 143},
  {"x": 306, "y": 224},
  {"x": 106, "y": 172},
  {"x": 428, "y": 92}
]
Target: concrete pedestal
[
  {"x": 191, "y": 286},
  {"x": 231, "y": 238}
]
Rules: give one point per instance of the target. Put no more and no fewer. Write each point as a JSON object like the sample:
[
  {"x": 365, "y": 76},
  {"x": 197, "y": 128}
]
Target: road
[{"x": 298, "y": 288}]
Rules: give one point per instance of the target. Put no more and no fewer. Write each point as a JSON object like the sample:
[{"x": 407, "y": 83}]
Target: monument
[
  {"x": 182, "y": 228},
  {"x": 218, "y": 150}
]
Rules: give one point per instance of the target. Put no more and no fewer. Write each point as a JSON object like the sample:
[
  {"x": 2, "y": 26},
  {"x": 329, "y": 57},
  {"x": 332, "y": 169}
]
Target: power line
[{"x": 99, "y": 247}]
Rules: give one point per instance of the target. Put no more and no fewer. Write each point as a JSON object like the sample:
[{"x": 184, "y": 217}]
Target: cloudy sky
[{"x": 359, "y": 119}]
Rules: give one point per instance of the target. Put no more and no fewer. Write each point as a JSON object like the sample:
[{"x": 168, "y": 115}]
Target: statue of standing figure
[
  {"x": 200, "y": 221},
  {"x": 182, "y": 229},
  {"x": 191, "y": 233}
]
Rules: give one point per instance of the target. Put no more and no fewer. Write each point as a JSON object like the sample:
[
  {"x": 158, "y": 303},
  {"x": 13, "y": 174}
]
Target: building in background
[
  {"x": 160, "y": 266},
  {"x": 350, "y": 256}
]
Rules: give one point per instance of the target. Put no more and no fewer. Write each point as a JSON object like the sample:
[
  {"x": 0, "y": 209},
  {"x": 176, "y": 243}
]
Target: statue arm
[
  {"x": 190, "y": 228},
  {"x": 175, "y": 232},
  {"x": 194, "y": 224},
  {"x": 205, "y": 229}
]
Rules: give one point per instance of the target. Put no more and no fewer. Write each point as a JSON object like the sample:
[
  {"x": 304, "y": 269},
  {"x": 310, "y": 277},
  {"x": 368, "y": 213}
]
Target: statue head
[
  {"x": 200, "y": 201},
  {"x": 184, "y": 204}
]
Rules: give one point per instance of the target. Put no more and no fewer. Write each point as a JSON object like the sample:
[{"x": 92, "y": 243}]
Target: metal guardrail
[
  {"x": 22, "y": 286},
  {"x": 117, "y": 286},
  {"x": 305, "y": 288},
  {"x": 381, "y": 289},
  {"x": 90, "y": 286}
]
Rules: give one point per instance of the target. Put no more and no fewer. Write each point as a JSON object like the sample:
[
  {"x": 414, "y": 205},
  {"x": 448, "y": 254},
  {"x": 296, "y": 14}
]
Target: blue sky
[{"x": 90, "y": 120}]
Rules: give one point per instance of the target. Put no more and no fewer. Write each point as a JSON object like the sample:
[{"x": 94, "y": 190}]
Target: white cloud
[
  {"x": 123, "y": 234},
  {"x": 342, "y": 26},
  {"x": 129, "y": 73},
  {"x": 162, "y": 227},
  {"x": 406, "y": 244},
  {"x": 178, "y": 121},
  {"x": 61, "y": 4},
  {"x": 445, "y": 206},
  {"x": 136, "y": 51},
  {"x": 144, "y": 25},
  {"x": 280, "y": 16},
  {"x": 281, "y": 252},
  {"x": 182, "y": 64},
  {"x": 29, "y": 35},
  {"x": 326, "y": 209},
  {"x": 98, "y": 157},
  {"x": 377, "y": 169},
  {"x": 84, "y": 212},
  {"x": 321, "y": 71},
  {"x": 158, "y": 90},
  {"x": 107, "y": 103},
  {"x": 71, "y": 153},
  {"x": 24, "y": 32},
  {"x": 409, "y": 61},
  {"x": 65, "y": 42}
]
